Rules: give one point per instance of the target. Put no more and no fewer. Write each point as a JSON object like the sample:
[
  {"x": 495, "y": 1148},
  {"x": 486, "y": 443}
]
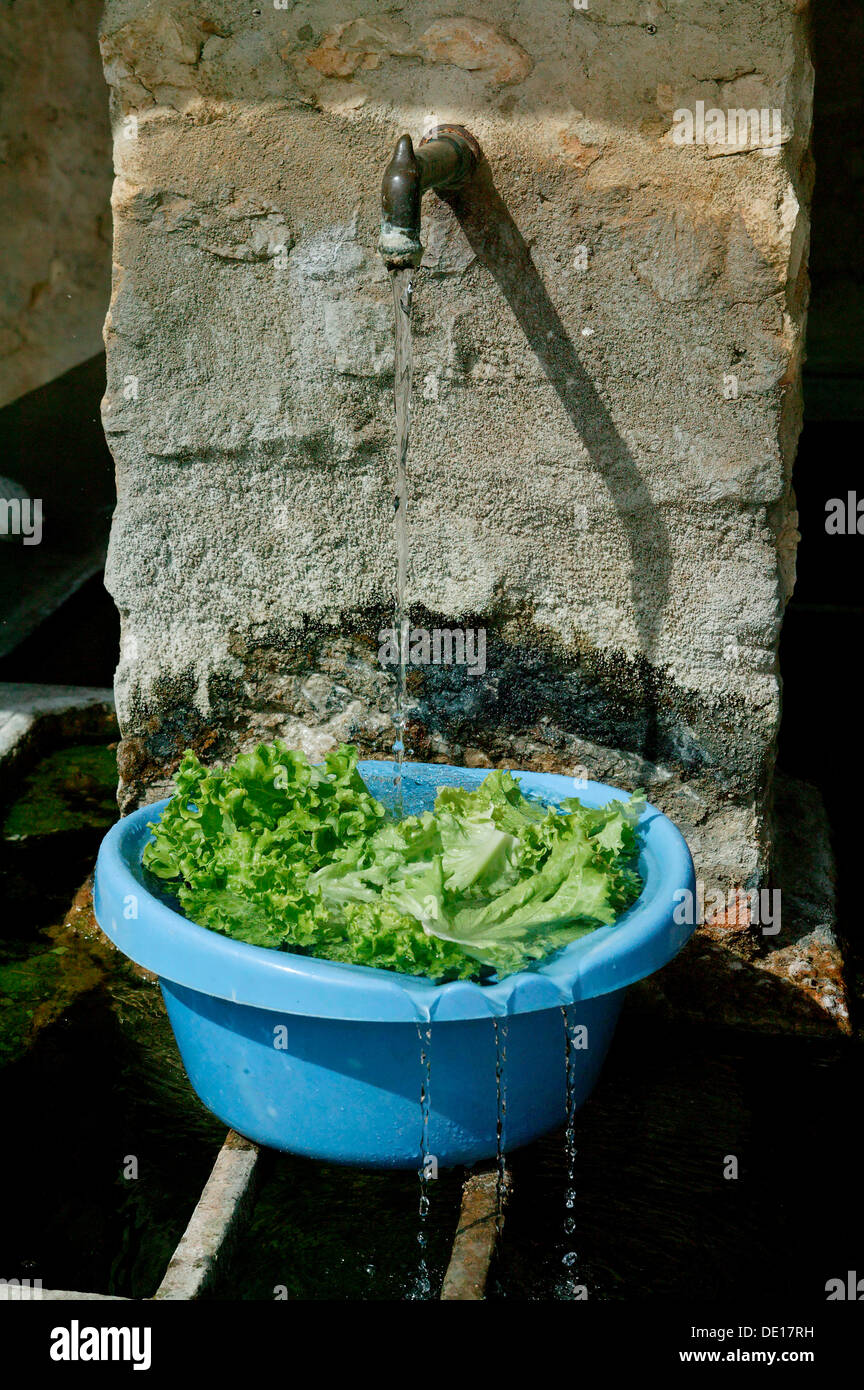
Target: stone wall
[
  {"x": 55, "y": 181},
  {"x": 608, "y": 344}
]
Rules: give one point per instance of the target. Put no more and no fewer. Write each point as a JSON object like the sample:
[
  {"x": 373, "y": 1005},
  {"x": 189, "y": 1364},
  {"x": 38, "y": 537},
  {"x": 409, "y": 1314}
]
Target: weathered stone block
[{"x": 608, "y": 342}]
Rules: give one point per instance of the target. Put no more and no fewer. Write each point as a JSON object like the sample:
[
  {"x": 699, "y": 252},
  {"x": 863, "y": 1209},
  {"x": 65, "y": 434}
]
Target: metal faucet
[{"x": 445, "y": 159}]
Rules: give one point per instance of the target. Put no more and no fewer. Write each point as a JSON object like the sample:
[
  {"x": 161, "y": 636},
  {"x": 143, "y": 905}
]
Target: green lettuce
[{"x": 281, "y": 853}]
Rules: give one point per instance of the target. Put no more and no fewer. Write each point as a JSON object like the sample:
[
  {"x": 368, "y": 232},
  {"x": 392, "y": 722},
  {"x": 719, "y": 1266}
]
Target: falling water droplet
[
  {"x": 569, "y": 1259},
  {"x": 501, "y": 1028},
  {"x": 423, "y": 1282}
]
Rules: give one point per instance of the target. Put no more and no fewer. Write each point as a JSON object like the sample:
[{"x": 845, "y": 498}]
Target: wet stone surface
[
  {"x": 652, "y": 1214},
  {"x": 58, "y": 775},
  {"x": 654, "y": 1217},
  {"x": 49, "y": 834},
  {"x": 112, "y": 1149},
  {"x": 70, "y": 789}
]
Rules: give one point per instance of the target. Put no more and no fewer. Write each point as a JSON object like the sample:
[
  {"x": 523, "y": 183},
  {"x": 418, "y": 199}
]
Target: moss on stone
[
  {"x": 24, "y": 986},
  {"x": 70, "y": 789}
]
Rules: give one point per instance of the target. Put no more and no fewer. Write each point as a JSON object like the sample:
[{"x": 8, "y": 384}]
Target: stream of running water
[
  {"x": 423, "y": 1283},
  {"x": 501, "y": 1029},
  {"x": 402, "y": 283}
]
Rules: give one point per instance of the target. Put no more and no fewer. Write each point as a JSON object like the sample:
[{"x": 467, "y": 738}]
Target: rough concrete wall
[
  {"x": 55, "y": 184},
  {"x": 587, "y": 483}
]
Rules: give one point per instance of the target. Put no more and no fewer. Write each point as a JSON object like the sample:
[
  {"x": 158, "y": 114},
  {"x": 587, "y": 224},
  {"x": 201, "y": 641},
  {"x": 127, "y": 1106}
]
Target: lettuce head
[{"x": 283, "y": 853}]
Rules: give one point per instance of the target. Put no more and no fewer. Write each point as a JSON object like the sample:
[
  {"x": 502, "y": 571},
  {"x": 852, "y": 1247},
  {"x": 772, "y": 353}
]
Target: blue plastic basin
[{"x": 329, "y": 1060}]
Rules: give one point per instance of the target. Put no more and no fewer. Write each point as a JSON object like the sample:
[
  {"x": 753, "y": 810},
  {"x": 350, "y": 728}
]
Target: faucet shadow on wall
[{"x": 499, "y": 246}]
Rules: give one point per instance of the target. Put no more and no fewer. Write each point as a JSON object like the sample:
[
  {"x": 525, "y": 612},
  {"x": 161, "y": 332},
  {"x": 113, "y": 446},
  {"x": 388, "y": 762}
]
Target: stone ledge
[
  {"x": 17, "y": 1295},
  {"x": 35, "y": 717}
]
